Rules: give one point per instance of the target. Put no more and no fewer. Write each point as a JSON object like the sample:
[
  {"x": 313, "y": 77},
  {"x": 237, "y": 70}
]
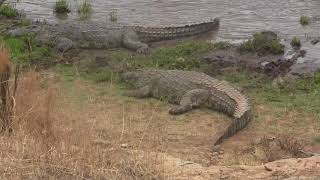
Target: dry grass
[
  {"x": 281, "y": 147},
  {"x": 44, "y": 146},
  {"x": 6, "y": 93}
]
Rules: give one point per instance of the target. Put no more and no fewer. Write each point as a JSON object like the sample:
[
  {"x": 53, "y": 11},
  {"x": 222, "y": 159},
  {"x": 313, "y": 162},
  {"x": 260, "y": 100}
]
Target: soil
[{"x": 145, "y": 125}]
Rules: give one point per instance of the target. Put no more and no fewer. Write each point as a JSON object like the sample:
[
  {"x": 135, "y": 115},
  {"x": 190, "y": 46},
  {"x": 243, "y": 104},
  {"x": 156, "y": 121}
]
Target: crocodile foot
[{"x": 143, "y": 50}]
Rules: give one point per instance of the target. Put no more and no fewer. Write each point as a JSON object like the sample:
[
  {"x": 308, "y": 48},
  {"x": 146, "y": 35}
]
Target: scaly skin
[
  {"x": 191, "y": 90},
  {"x": 95, "y": 35}
]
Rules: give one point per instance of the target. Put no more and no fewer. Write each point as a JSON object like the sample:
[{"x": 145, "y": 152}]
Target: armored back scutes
[
  {"x": 150, "y": 34},
  {"x": 241, "y": 111}
]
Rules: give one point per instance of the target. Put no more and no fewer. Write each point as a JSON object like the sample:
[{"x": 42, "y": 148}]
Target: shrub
[
  {"x": 113, "y": 16},
  {"x": 263, "y": 42},
  {"x": 295, "y": 42},
  {"x": 304, "y": 20},
  {"x": 62, "y": 6},
  {"x": 85, "y": 9},
  {"x": 8, "y": 11}
]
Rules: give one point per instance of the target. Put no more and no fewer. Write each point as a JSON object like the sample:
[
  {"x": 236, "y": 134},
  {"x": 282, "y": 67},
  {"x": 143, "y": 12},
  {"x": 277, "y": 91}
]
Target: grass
[
  {"x": 113, "y": 16},
  {"x": 8, "y": 11},
  {"x": 61, "y": 6},
  {"x": 263, "y": 44},
  {"x": 85, "y": 9},
  {"x": 24, "y": 22},
  {"x": 295, "y": 42},
  {"x": 49, "y": 144},
  {"x": 75, "y": 129},
  {"x": 183, "y": 56},
  {"x": 304, "y": 20},
  {"x": 25, "y": 49},
  {"x": 302, "y": 95}
]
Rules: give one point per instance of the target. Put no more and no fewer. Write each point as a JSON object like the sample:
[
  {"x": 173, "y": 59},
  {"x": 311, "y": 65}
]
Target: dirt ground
[{"x": 146, "y": 125}]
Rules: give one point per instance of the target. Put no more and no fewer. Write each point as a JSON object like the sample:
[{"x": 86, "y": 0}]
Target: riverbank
[{"x": 79, "y": 125}]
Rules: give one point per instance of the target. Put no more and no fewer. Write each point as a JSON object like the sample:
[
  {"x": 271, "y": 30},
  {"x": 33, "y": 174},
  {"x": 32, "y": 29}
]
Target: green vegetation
[
  {"x": 295, "y": 42},
  {"x": 302, "y": 95},
  {"x": 24, "y": 22},
  {"x": 304, "y": 20},
  {"x": 85, "y": 9},
  {"x": 25, "y": 49},
  {"x": 113, "y": 16},
  {"x": 263, "y": 43},
  {"x": 62, "y": 6},
  {"x": 8, "y": 11},
  {"x": 183, "y": 56}
]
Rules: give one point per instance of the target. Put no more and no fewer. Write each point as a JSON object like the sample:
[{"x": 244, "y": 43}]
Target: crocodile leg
[
  {"x": 192, "y": 99},
  {"x": 140, "y": 93},
  {"x": 131, "y": 41}
]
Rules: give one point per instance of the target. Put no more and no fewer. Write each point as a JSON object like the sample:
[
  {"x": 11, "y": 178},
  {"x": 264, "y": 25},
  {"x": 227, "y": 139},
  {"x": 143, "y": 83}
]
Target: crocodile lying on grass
[
  {"x": 191, "y": 90},
  {"x": 95, "y": 35}
]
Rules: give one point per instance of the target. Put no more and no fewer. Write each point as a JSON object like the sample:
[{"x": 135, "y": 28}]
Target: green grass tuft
[
  {"x": 62, "y": 6},
  {"x": 302, "y": 95},
  {"x": 25, "y": 50},
  {"x": 263, "y": 43},
  {"x": 102, "y": 76},
  {"x": 304, "y": 20},
  {"x": 8, "y": 11},
  {"x": 295, "y": 42},
  {"x": 85, "y": 9},
  {"x": 317, "y": 140}
]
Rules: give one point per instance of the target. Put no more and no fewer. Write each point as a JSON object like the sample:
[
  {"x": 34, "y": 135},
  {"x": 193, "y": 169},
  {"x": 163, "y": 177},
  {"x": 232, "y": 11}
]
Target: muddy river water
[{"x": 239, "y": 18}]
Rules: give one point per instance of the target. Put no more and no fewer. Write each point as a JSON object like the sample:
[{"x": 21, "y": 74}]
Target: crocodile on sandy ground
[
  {"x": 93, "y": 35},
  {"x": 191, "y": 90}
]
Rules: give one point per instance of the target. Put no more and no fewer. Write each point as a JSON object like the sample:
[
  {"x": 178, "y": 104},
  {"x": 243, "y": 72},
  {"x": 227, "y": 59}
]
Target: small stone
[
  {"x": 315, "y": 41},
  {"x": 215, "y": 154},
  {"x": 216, "y": 148},
  {"x": 124, "y": 146},
  {"x": 221, "y": 152}
]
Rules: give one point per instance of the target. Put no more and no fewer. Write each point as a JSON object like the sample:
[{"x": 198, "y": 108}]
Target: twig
[{"x": 309, "y": 153}]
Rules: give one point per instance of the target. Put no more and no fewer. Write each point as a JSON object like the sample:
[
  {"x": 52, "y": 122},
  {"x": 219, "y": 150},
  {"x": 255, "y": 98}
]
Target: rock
[
  {"x": 303, "y": 70},
  {"x": 216, "y": 148},
  {"x": 315, "y": 41},
  {"x": 64, "y": 44},
  {"x": 215, "y": 154},
  {"x": 221, "y": 152},
  {"x": 21, "y": 31},
  {"x": 17, "y": 32},
  {"x": 124, "y": 146},
  {"x": 307, "y": 64}
]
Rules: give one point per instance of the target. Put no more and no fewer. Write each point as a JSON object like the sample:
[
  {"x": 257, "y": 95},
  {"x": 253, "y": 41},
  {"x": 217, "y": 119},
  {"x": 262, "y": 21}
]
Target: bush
[
  {"x": 62, "y": 6},
  {"x": 295, "y": 42},
  {"x": 85, "y": 9},
  {"x": 8, "y": 11},
  {"x": 304, "y": 20},
  {"x": 263, "y": 42}
]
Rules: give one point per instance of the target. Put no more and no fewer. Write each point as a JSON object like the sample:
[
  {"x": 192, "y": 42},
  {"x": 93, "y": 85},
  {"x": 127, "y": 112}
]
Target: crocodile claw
[{"x": 143, "y": 50}]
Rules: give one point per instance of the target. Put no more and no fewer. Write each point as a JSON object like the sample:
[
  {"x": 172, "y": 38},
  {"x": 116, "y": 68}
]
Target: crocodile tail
[{"x": 237, "y": 124}]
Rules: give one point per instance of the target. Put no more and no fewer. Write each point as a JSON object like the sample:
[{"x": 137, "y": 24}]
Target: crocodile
[
  {"x": 69, "y": 34},
  {"x": 190, "y": 90}
]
